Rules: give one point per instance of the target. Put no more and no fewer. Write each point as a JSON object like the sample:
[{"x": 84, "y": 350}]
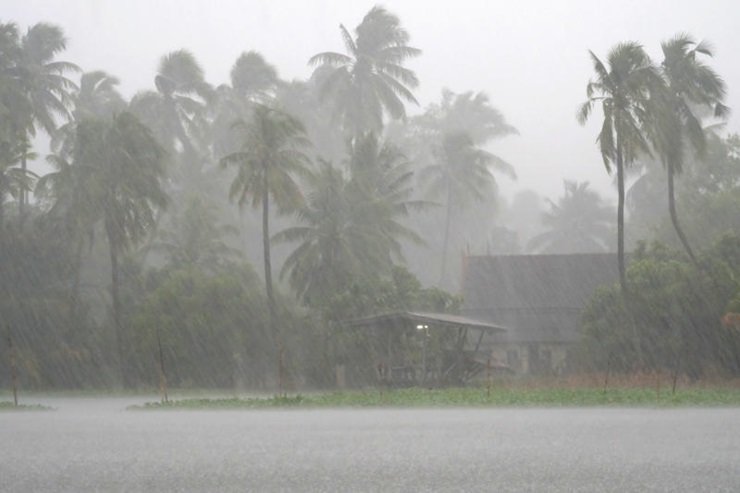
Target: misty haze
[{"x": 324, "y": 246}]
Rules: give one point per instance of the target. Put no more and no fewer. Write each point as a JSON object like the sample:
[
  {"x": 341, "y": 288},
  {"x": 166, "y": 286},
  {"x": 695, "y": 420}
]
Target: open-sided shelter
[{"x": 420, "y": 348}]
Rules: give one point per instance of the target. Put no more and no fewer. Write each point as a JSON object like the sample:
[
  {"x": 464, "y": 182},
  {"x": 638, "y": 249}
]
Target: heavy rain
[{"x": 340, "y": 246}]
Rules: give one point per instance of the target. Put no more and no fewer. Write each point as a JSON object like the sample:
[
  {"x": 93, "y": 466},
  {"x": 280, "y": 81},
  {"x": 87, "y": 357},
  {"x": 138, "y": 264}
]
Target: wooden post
[
  {"x": 13, "y": 369},
  {"x": 488, "y": 378},
  {"x": 162, "y": 373}
]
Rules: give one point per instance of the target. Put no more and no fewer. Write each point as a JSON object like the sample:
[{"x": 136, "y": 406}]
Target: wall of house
[{"x": 534, "y": 358}]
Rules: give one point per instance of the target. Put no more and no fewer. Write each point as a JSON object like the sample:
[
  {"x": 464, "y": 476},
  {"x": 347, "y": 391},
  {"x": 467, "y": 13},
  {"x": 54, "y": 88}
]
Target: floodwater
[{"x": 95, "y": 445}]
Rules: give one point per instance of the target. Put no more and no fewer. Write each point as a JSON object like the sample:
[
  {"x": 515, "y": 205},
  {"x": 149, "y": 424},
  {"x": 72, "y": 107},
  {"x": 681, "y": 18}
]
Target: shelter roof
[{"x": 432, "y": 320}]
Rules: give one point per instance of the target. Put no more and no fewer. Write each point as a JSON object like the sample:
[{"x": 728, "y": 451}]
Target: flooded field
[{"x": 95, "y": 444}]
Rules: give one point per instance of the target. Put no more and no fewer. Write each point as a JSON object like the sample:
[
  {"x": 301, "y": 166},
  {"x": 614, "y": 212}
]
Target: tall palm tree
[
  {"x": 350, "y": 228},
  {"x": 623, "y": 90},
  {"x": 43, "y": 82},
  {"x": 96, "y": 97},
  {"x": 461, "y": 172},
  {"x": 272, "y": 155},
  {"x": 690, "y": 87},
  {"x": 176, "y": 111},
  {"x": 370, "y": 79},
  {"x": 253, "y": 80},
  {"x": 14, "y": 179},
  {"x": 578, "y": 222},
  {"x": 330, "y": 243},
  {"x": 126, "y": 169}
]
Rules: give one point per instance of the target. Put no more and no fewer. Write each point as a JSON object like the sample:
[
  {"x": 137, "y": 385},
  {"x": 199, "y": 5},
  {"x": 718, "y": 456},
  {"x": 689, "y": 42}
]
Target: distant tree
[
  {"x": 578, "y": 222},
  {"x": 126, "y": 168},
  {"x": 42, "y": 83},
  {"x": 690, "y": 86},
  {"x": 196, "y": 238},
  {"x": 370, "y": 79},
  {"x": 623, "y": 90},
  {"x": 176, "y": 111},
  {"x": 462, "y": 173},
  {"x": 14, "y": 179},
  {"x": 350, "y": 227},
  {"x": 271, "y": 157}
]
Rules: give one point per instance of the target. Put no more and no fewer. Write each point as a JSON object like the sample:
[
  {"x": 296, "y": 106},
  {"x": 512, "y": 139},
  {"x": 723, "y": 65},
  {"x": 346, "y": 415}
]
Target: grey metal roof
[
  {"x": 538, "y": 297},
  {"x": 433, "y": 320}
]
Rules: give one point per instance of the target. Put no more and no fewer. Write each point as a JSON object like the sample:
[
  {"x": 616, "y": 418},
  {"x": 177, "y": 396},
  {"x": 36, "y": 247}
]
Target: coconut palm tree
[
  {"x": 690, "y": 87},
  {"x": 351, "y": 228},
  {"x": 370, "y": 79},
  {"x": 176, "y": 110},
  {"x": 271, "y": 156},
  {"x": 126, "y": 168},
  {"x": 96, "y": 97},
  {"x": 622, "y": 87},
  {"x": 43, "y": 83},
  {"x": 462, "y": 172},
  {"x": 578, "y": 222},
  {"x": 14, "y": 179}
]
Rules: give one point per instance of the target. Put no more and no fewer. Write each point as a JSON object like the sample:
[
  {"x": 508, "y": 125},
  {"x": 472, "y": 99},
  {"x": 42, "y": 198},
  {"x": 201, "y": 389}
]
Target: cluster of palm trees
[
  {"x": 152, "y": 175},
  {"x": 653, "y": 109}
]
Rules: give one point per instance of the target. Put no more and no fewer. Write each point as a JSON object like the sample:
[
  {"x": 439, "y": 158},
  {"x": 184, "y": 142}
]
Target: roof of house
[{"x": 538, "y": 297}]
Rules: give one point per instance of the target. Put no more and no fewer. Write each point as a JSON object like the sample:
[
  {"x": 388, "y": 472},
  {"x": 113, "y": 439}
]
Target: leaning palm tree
[
  {"x": 125, "y": 182},
  {"x": 43, "y": 83},
  {"x": 176, "y": 111},
  {"x": 14, "y": 179},
  {"x": 690, "y": 86},
  {"x": 370, "y": 79},
  {"x": 272, "y": 155},
  {"x": 623, "y": 90},
  {"x": 461, "y": 172},
  {"x": 578, "y": 222}
]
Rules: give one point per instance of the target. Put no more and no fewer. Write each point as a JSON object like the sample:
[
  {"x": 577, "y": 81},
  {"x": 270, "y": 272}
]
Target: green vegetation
[
  {"x": 471, "y": 397},
  {"x": 127, "y": 265},
  {"x": 10, "y": 406}
]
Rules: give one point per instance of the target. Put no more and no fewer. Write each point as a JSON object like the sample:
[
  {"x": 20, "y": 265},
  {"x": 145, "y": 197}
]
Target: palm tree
[
  {"x": 331, "y": 245},
  {"x": 690, "y": 85},
  {"x": 578, "y": 222},
  {"x": 272, "y": 154},
  {"x": 370, "y": 79},
  {"x": 462, "y": 172},
  {"x": 623, "y": 91},
  {"x": 126, "y": 168},
  {"x": 351, "y": 228},
  {"x": 43, "y": 83},
  {"x": 96, "y": 97},
  {"x": 14, "y": 180},
  {"x": 253, "y": 80},
  {"x": 176, "y": 111}
]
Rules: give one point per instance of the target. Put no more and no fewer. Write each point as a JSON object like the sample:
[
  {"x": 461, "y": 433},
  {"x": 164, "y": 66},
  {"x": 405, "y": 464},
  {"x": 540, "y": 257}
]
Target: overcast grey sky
[{"x": 530, "y": 57}]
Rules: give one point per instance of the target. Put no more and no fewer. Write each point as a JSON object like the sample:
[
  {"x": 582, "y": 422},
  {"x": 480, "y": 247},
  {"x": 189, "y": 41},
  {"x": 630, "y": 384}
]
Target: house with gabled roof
[{"x": 539, "y": 299}]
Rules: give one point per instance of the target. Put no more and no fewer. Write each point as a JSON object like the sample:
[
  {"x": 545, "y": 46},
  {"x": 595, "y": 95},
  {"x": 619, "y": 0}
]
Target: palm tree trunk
[
  {"x": 77, "y": 277},
  {"x": 620, "y": 218},
  {"x": 674, "y": 216},
  {"x": 445, "y": 243},
  {"x": 115, "y": 298},
  {"x": 268, "y": 279}
]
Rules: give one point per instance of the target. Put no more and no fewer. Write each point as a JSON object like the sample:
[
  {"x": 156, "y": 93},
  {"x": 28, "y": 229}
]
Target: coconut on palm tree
[
  {"x": 369, "y": 80},
  {"x": 622, "y": 88}
]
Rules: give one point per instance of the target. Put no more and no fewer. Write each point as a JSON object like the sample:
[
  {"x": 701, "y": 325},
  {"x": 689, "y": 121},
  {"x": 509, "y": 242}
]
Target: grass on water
[
  {"x": 470, "y": 397},
  {"x": 9, "y": 406}
]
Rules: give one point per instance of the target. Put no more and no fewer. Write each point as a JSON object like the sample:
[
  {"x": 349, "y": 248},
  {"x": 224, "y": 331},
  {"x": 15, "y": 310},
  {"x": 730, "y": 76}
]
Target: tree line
[{"x": 137, "y": 247}]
